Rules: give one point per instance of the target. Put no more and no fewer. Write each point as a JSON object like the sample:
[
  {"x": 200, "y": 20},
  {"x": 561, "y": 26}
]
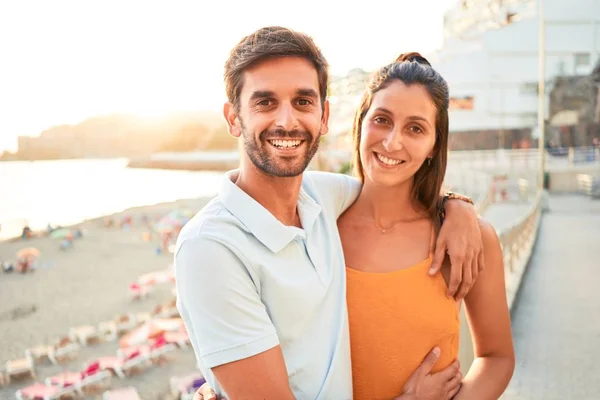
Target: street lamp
[{"x": 541, "y": 91}]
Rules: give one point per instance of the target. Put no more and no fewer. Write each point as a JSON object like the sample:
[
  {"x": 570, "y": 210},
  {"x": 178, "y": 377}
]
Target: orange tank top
[{"x": 395, "y": 319}]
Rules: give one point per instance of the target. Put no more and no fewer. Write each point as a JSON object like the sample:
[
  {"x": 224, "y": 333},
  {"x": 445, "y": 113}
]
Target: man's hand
[
  {"x": 206, "y": 393},
  {"x": 460, "y": 238},
  {"x": 423, "y": 385}
]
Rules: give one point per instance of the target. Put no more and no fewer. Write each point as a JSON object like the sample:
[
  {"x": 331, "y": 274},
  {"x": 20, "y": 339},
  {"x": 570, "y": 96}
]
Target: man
[{"x": 270, "y": 320}]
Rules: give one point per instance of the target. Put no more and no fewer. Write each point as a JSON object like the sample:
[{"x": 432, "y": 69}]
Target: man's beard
[{"x": 260, "y": 156}]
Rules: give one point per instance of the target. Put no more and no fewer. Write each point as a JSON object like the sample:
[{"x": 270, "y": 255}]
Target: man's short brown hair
[{"x": 272, "y": 42}]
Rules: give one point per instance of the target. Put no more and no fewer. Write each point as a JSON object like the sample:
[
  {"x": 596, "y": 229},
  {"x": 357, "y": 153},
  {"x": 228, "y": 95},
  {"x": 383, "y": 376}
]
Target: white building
[{"x": 490, "y": 57}]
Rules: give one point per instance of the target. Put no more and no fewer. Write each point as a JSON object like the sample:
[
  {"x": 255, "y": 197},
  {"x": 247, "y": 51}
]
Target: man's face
[{"x": 280, "y": 116}]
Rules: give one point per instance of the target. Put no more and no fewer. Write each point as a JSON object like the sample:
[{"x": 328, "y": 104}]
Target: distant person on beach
[
  {"x": 26, "y": 233},
  {"x": 260, "y": 270},
  {"x": 7, "y": 266}
]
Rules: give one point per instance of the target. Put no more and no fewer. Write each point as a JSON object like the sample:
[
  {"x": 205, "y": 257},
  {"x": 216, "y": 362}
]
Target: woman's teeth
[{"x": 388, "y": 161}]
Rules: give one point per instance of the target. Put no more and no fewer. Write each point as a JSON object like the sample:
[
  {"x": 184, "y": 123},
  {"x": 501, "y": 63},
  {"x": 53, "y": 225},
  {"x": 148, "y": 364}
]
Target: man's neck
[{"x": 278, "y": 195}]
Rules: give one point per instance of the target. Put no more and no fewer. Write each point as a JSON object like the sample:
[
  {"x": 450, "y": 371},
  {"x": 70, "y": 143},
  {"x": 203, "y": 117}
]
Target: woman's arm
[{"x": 489, "y": 322}]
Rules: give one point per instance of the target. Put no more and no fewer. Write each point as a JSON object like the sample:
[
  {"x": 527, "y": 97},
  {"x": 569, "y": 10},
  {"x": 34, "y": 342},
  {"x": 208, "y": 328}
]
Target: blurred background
[{"x": 111, "y": 138}]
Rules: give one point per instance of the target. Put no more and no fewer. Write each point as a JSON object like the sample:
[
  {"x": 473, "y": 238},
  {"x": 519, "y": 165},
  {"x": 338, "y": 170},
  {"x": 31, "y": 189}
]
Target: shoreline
[{"x": 40, "y": 234}]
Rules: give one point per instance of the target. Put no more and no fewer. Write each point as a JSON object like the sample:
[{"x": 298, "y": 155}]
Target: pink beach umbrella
[
  {"x": 29, "y": 253},
  {"x": 150, "y": 330}
]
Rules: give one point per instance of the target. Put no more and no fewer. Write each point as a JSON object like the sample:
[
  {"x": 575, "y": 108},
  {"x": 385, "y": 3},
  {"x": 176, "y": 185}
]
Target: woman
[{"x": 397, "y": 313}]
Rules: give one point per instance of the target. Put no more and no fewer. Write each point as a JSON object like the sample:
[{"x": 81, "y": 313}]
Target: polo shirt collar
[{"x": 259, "y": 221}]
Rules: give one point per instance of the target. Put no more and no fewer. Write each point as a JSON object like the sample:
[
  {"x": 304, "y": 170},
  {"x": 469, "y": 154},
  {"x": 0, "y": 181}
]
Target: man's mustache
[{"x": 283, "y": 134}]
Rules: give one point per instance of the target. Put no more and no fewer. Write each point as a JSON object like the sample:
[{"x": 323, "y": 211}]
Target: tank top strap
[{"x": 432, "y": 240}]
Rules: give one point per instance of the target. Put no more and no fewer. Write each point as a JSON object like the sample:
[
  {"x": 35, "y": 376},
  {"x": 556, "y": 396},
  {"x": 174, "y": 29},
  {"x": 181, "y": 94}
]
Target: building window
[
  {"x": 582, "y": 59},
  {"x": 462, "y": 103}
]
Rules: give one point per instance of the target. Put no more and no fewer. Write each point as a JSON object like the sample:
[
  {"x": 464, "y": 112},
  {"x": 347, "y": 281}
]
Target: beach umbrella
[
  {"x": 29, "y": 253},
  {"x": 62, "y": 233},
  {"x": 149, "y": 330},
  {"x": 178, "y": 217},
  {"x": 174, "y": 220},
  {"x": 165, "y": 227}
]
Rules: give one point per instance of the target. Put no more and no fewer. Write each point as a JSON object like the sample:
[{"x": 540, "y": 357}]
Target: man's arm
[
  {"x": 337, "y": 191},
  {"x": 422, "y": 384},
  {"x": 460, "y": 238},
  {"x": 229, "y": 327}
]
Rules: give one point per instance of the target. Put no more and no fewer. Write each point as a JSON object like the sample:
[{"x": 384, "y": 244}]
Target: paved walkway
[{"x": 556, "y": 318}]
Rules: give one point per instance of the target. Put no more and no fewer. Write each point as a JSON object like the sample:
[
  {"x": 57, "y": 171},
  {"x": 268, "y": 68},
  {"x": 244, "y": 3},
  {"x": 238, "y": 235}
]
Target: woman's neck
[{"x": 387, "y": 205}]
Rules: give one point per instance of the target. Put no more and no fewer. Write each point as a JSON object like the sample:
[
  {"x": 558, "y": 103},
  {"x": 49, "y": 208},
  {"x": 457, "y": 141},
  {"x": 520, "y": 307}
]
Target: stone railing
[
  {"x": 517, "y": 241},
  {"x": 517, "y": 246}
]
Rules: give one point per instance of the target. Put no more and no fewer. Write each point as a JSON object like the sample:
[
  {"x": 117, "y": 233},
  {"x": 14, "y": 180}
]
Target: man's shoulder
[
  {"x": 323, "y": 178},
  {"x": 331, "y": 189},
  {"x": 329, "y": 183},
  {"x": 213, "y": 223}
]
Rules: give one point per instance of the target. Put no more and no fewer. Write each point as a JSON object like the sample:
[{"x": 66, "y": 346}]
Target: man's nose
[{"x": 286, "y": 117}]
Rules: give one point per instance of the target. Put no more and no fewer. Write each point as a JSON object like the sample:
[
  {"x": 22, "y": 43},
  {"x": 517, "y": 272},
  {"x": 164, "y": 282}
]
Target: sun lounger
[
  {"x": 64, "y": 379},
  {"x": 40, "y": 391},
  {"x": 3, "y": 377},
  {"x": 84, "y": 334},
  {"x": 127, "y": 393},
  {"x": 64, "y": 349},
  {"x": 156, "y": 277},
  {"x": 180, "y": 338},
  {"x": 122, "y": 365},
  {"x": 142, "y": 317},
  {"x": 182, "y": 384},
  {"x": 38, "y": 353},
  {"x": 90, "y": 378},
  {"x": 159, "y": 347},
  {"x": 167, "y": 310},
  {"x": 20, "y": 367},
  {"x": 138, "y": 291},
  {"x": 108, "y": 330},
  {"x": 121, "y": 324},
  {"x": 155, "y": 349}
]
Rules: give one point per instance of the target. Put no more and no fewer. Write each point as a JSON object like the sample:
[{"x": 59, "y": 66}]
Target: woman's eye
[
  {"x": 416, "y": 129},
  {"x": 380, "y": 120}
]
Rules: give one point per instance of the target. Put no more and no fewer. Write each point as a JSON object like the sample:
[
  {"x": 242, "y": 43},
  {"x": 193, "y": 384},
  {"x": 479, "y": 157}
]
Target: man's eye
[
  {"x": 304, "y": 102},
  {"x": 264, "y": 103}
]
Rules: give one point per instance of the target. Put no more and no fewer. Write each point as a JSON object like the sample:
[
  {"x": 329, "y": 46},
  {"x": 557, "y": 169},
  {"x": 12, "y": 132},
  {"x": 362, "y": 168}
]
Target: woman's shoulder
[{"x": 488, "y": 233}]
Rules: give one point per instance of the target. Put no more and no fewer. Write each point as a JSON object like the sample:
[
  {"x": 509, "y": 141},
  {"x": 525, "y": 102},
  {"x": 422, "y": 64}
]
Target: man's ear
[
  {"x": 233, "y": 123},
  {"x": 325, "y": 118}
]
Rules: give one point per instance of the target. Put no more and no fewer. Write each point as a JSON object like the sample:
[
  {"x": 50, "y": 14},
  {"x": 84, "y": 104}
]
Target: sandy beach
[{"x": 85, "y": 285}]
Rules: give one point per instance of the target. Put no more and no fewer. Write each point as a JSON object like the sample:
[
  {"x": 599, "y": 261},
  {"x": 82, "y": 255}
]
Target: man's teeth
[
  {"x": 388, "y": 161},
  {"x": 285, "y": 144}
]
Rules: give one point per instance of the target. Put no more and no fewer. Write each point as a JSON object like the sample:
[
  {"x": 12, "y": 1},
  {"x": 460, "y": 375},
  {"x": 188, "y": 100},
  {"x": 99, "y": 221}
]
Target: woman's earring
[{"x": 429, "y": 161}]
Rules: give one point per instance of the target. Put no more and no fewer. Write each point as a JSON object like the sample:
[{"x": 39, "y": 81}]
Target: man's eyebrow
[
  {"x": 307, "y": 92},
  {"x": 259, "y": 94}
]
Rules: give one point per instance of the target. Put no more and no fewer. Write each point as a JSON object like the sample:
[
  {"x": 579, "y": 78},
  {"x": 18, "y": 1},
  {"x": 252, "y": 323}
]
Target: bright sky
[{"x": 62, "y": 61}]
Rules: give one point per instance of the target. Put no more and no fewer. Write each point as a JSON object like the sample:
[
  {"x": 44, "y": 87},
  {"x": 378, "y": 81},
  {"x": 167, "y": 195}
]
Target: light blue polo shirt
[{"x": 246, "y": 283}]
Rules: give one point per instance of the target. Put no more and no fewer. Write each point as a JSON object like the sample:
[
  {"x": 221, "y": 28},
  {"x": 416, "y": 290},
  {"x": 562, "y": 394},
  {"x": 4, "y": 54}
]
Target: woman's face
[{"x": 397, "y": 134}]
